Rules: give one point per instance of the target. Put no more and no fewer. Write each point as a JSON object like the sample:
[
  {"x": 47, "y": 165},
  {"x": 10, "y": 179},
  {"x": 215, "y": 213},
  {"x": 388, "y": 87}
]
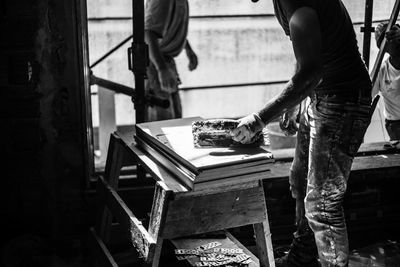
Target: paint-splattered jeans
[{"x": 330, "y": 133}]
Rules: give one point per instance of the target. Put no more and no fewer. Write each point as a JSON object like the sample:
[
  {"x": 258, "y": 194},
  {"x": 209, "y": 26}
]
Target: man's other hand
[
  {"x": 168, "y": 80},
  {"x": 287, "y": 121},
  {"x": 248, "y": 127},
  {"x": 394, "y": 34},
  {"x": 193, "y": 61}
]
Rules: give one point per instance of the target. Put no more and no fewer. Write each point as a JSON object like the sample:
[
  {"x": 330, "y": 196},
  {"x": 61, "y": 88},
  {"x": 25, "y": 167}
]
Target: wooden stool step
[{"x": 226, "y": 239}]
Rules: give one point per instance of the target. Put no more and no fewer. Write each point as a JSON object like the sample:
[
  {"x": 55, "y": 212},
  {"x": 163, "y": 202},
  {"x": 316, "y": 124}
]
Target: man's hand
[
  {"x": 394, "y": 34},
  {"x": 247, "y": 129},
  {"x": 287, "y": 121},
  {"x": 168, "y": 80},
  {"x": 193, "y": 61}
]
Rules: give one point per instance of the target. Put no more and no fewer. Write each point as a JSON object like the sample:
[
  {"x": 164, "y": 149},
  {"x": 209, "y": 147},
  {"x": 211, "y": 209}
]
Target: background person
[
  {"x": 388, "y": 80},
  {"x": 166, "y": 29}
]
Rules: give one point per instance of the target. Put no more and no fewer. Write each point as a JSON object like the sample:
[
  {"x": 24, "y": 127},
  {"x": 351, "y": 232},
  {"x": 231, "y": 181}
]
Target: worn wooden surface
[
  {"x": 213, "y": 185},
  {"x": 366, "y": 149},
  {"x": 112, "y": 171},
  {"x": 262, "y": 234},
  {"x": 281, "y": 169},
  {"x": 204, "y": 213},
  {"x": 157, "y": 218},
  {"x": 376, "y": 162}
]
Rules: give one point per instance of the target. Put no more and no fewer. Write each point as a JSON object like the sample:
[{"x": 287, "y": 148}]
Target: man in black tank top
[{"x": 332, "y": 76}]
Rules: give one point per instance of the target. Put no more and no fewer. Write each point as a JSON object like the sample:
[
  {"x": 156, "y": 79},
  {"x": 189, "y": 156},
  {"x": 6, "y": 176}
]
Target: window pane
[
  {"x": 229, "y": 7},
  {"x": 237, "y": 50},
  {"x": 103, "y": 36},
  {"x": 226, "y": 102},
  {"x": 109, "y": 8}
]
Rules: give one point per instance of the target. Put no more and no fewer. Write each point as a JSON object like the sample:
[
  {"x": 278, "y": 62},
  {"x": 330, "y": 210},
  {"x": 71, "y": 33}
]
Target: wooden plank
[
  {"x": 137, "y": 234},
  {"x": 281, "y": 170},
  {"x": 155, "y": 261},
  {"x": 375, "y": 148},
  {"x": 376, "y": 162},
  {"x": 102, "y": 255},
  {"x": 111, "y": 175},
  {"x": 264, "y": 244},
  {"x": 157, "y": 218},
  {"x": 204, "y": 213},
  {"x": 234, "y": 170},
  {"x": 228, "y": 241},
  {"x": 230, "y": 181},
  {"x": 158, "y": 210},
  {"x": 219, "y": 189},
  {"x": 115, "y": 156},
  {"x": 107, "y": 124},
  {"x": 262, "y": 233}
]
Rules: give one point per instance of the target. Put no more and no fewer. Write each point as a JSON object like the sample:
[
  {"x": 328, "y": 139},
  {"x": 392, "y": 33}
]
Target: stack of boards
[{"x": 170, "y": 143}]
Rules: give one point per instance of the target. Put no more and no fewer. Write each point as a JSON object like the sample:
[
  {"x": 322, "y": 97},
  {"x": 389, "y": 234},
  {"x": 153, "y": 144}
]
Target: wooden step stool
[{"x": 176, "y": 211}]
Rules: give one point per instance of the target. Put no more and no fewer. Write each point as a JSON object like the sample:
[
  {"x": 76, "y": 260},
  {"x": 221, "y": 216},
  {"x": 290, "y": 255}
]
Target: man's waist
[
  {"x": 344, "y": 93},
  {"x": 353, "y": 96}
]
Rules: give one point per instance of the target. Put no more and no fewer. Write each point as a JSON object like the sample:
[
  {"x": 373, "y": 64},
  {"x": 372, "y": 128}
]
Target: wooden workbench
[{"x": 179, "y": 212}]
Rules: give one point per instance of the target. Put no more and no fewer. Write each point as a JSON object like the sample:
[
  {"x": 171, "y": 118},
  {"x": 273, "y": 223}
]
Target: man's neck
[{"x": 395, "y": 61}]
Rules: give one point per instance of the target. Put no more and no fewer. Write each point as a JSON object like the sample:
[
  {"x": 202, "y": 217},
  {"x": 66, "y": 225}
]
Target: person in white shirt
[{"x": 388, "y": 80}]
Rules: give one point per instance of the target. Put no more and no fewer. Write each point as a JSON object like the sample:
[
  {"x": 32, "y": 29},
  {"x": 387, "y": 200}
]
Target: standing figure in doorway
[{"x": 166, "y": 29}]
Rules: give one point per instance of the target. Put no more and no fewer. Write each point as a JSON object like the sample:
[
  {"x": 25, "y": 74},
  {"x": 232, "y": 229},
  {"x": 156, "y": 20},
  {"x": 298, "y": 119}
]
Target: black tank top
[{"x": 344, "y": 71}]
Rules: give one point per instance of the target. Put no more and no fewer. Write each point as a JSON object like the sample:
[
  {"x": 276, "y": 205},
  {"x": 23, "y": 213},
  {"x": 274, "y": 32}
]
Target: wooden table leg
[
  {"x": 264, "y": 244},
  {"x": 111, "y": 175},
  {"x": 157, "y": 218}
]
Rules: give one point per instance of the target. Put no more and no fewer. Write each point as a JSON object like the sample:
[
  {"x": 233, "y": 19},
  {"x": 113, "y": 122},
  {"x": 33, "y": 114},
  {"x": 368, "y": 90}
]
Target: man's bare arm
[
  {"x": 305, "y": 34},
  {"x": 193, "y": 61},
  {"x": 168, "y": 79},
  {"x": 154, "y": 50}
]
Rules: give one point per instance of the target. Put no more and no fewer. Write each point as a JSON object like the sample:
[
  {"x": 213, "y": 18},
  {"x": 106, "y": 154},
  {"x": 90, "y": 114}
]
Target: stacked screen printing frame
[{"x": 170, "y": 143}]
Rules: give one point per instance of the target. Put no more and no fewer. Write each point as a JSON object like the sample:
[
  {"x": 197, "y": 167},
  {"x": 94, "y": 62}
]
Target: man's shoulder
[{"x": 385, "y": 65}]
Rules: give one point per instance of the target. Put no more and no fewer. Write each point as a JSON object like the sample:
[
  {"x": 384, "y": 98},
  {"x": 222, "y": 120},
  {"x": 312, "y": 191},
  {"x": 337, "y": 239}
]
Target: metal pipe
[
  {"x": 113, "y": 86},
  {"x": 231, "y": 85},
  {"x": 149, "y": 99},
  {"x": 227, "y": 86},
  {"x": 367, "y": 30},
  {"x": 115, "y": 48},
  {"x": 261, "y": 15},
  {"x": 139, "y": 58}
]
